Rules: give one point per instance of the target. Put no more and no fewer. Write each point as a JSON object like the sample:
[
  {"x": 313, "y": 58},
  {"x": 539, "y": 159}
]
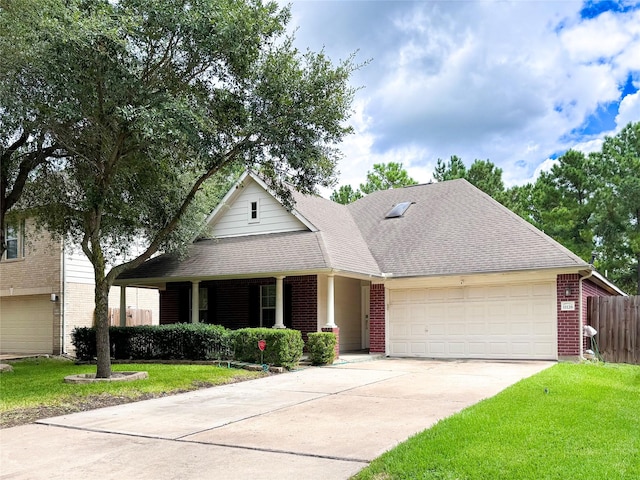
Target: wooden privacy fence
[
  {"x": 135, "y": 317},
  {"x": 617, "y": 320}
]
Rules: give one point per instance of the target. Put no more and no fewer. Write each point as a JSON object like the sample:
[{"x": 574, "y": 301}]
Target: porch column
[
  {"x": 331, "y": 323},
  {"x": 331, "y": 326},
  {"x": 279, "y": 303},
  {"x": 195, "y": 302},
  {"x": 123, "y": 305}
]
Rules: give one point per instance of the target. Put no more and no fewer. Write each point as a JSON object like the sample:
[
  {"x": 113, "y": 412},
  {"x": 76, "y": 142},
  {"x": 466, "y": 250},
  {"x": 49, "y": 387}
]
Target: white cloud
[
  {"x": 513, "y": 82},
  {"x": 603, "y": 37},
  {"x": 629, "y": 110}
]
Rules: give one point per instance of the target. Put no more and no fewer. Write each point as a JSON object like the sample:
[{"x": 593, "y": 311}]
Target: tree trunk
[{"x": 103, "y": 346}]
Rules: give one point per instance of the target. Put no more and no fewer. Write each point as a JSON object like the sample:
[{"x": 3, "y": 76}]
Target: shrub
[
  {"x": 180, "y": 341},
  {"x": 283, "y": 349},
  {"x": 321, "y": 347}
]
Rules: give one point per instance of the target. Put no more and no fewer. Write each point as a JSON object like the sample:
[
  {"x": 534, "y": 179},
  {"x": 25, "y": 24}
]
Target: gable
[{"x": 249, "y": 209}]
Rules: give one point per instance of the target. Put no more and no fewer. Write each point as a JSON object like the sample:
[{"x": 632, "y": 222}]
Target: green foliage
[
  {"x": 519, "y": 199},
  {"x": 146, "y": 101},
  {"x": 617, "y": 207},
  {"x": 382, "y": 177},
  {"x": 483, "y": 174},
  {"x": 450, "y": 170},
  {"x": 487, "y": 177},
  {"x": 385, "y": 176},
  {"x": 180, "y": 341},
  {"x": 575, "y": 421},
  {"x": 345, "y": 195},
  {"x": 284, "y": 346},
  {"x": 562, "y": 201},
  {"x": 321, "y": 348}
]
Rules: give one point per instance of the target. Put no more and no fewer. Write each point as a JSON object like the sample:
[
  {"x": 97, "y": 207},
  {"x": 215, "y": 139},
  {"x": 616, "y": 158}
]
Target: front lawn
[
  {"x": 35, "y": 389},
  {"x": 572, "y": 421}
]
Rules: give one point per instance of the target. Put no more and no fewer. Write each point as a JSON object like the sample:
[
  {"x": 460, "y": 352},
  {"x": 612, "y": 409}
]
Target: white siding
[
  {"x": 273, "y": 217},
  {"x": 77, "y": 267}
]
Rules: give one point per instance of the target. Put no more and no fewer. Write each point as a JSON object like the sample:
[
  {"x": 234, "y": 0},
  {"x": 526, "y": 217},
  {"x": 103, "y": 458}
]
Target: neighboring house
[
  {"x": 46, "y": 291},
  {"x": 439, "y": 270}
]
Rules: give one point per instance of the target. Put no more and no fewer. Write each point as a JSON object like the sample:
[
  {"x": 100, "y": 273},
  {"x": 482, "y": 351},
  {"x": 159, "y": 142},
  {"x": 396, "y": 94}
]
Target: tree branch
[{"x": 170, "y": 226}]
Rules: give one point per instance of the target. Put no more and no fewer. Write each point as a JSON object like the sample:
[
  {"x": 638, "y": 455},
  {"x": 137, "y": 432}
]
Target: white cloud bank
[{"x": 514, "y": 82}]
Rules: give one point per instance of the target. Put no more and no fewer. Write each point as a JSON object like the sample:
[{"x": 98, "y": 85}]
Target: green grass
[
  {"x": 572, "y": 421},
  {"x": 40, "y": 382}
]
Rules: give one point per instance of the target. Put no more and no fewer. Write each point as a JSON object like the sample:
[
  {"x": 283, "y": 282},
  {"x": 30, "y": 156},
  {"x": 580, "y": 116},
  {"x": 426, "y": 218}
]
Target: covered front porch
[{"x": 308, "y": 303}]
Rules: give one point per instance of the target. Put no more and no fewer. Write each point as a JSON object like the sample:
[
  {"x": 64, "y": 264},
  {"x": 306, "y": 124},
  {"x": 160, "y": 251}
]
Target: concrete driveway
[{"x": 315, "y": 423}]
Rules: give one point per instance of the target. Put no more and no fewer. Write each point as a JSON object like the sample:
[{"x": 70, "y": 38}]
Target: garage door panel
[
  {"x": 434, "y": 329},
  {"x": 418, "y": 330},
  {"x": 400, "y": 330},
  {"x": 505, "y": 321},
  {"x": 26, "y": 325},
  {"x": 477, "y": 349},
  {"x": 543, "y": 349},
  {"x": 400, "y": 348},
  {"x": 456, "y": 329},
  {"x": 520, "y": 348}
]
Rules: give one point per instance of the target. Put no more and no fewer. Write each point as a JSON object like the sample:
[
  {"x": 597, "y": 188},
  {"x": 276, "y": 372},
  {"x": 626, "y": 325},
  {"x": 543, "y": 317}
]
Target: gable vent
[{"x": 398, "y": 210}]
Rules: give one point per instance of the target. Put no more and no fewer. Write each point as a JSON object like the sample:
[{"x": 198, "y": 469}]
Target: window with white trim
[
  {"x": 253, "y": 213},
  {"x": 14, "y": 238},
  {"x": 267, "y": 305}
]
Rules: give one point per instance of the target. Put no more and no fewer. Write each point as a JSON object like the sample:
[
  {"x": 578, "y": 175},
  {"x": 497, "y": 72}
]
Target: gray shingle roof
[
  {"x": 451, "y": 228},
  {"x": 255, "y": 254}
]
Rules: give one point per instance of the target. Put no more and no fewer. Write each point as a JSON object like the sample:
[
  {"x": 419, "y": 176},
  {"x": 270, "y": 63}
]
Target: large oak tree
[{"x": 153, "y": 98}]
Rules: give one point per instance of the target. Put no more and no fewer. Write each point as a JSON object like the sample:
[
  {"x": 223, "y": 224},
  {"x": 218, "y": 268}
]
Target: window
[
  {"x": 203, "y": 299},
  {"x": 398, "y": 210},
  {"x": 267, "y": 305},
  {"x": 254, "y": 211},
  {"x": 14, "y": 237}
]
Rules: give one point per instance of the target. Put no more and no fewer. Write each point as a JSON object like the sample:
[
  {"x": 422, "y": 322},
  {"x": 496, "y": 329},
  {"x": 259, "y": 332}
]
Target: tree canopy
[
  {"x": 381, "y": 177},
  {"x": 144, "y": 102}
]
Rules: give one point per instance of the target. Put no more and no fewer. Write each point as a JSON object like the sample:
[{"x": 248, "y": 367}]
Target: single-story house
[{"x": 437, "y": 270}]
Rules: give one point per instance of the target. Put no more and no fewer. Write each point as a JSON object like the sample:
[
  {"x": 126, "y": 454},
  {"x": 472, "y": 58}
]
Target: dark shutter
[
  {"x": 254, "y": 305},
  {"x": 288, "y": 305}
]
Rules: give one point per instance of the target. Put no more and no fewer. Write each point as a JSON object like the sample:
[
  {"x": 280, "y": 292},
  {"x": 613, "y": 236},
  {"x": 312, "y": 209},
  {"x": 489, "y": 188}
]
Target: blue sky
[{"x": 516, "y": 82}]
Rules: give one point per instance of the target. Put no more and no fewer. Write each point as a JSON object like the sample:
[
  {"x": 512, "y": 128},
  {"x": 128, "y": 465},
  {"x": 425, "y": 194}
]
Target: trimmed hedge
[
  {"x": 321, "y": 347},
  {"x": 180, "y": 341},
  {"x": 283, "y": 349}
]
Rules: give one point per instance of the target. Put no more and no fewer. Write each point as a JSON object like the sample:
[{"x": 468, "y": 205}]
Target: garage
[
  {"x": 26, "y": 325},
  {"x": 509, "y": 321}
]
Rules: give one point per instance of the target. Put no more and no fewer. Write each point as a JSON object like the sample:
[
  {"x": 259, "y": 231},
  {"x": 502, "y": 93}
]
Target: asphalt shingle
[
  {"x": 453, "y": 228},
  {"x": 450, "y": 228}
]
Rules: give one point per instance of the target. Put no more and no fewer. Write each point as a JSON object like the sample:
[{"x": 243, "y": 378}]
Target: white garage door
[
  {"x": 500, "y": 322},
  {"x": 26, "y": 324}
]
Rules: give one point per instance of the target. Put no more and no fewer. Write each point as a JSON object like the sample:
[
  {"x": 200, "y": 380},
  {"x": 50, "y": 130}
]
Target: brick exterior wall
[
  {"x": 304, "y": 307},
  {"x": 377, "y": 343},
  {"x": 39, "y": 271},
  {"x": 569, "y": 328},
  {"x": 231, "y": 307}
]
